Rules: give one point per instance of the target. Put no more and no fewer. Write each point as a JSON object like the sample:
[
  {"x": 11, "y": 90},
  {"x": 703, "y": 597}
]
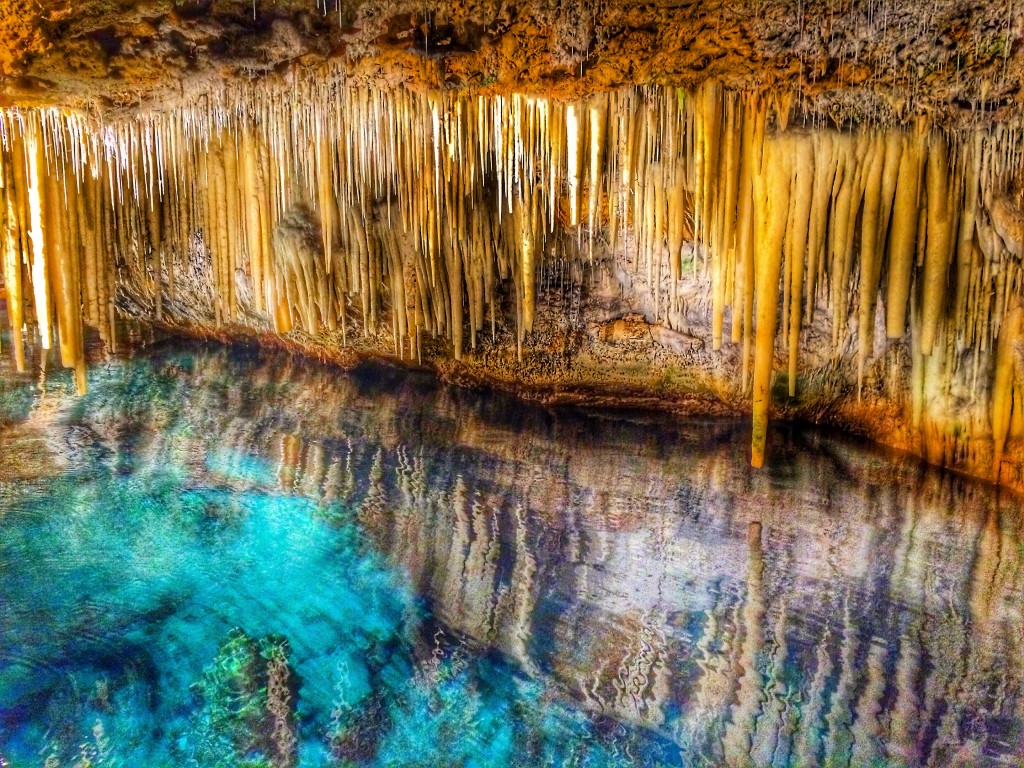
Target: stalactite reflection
[{"x": 844, "y": 607}]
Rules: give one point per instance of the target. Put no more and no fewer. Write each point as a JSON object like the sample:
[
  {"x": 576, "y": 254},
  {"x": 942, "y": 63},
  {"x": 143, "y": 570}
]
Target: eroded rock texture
[{"x": 845, "y": 60}]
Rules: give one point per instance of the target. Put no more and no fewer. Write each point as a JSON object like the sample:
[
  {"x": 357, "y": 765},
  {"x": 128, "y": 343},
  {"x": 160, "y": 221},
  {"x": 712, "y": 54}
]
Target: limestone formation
[{"x": 862, "y": 270}]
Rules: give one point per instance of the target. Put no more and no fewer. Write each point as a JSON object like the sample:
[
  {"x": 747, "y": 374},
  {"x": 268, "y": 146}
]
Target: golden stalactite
[
  {"x": 428, "y": 215},
  {"x": 10, "y": 241}
]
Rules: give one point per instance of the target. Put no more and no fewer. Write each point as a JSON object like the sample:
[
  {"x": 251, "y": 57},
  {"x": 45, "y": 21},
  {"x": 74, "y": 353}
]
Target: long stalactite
[{"x": 330, "y": 208}]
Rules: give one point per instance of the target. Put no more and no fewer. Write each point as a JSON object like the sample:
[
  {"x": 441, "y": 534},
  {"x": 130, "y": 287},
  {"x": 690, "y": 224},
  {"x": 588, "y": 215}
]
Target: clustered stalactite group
[{"x": 334, "y": 208}]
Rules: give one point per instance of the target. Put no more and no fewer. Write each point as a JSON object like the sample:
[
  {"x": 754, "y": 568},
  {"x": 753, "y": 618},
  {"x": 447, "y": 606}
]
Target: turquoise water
[{"x": 229, "y": 557}]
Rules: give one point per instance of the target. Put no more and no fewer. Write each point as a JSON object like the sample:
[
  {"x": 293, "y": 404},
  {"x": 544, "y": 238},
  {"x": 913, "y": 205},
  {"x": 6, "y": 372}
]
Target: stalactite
[
  {"x": 875, "y": 159},
  {"x": 1002, "y": 384},
  {"x": 425, "y": 213},
  {"x": 725, "y": 232},
  {"x": 657, "y": 240},
  {"x": 33, "y": 152},
  {"x": 771, "y": 201},
  {"x": 803, "y": 187},
  {"x": 676, "y": 221},
  {"x": 598, "y": 127},
  {"x": 903, "y": 235},
  {"x": 63, "y": 280},
  {"x": 933, "y": 290},
  {"x": 753, "y": 133},
  {"x": 12, "y": 259},
  {"x": 254, "y": 224}
]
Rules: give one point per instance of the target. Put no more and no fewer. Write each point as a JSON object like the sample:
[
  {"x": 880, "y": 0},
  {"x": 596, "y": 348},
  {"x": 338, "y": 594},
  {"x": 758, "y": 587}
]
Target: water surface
[{"x": 229, "y": 557}]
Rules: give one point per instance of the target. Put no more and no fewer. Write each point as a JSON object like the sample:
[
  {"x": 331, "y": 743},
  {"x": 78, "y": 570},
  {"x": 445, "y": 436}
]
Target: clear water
[{"x": 228, "y": 557}]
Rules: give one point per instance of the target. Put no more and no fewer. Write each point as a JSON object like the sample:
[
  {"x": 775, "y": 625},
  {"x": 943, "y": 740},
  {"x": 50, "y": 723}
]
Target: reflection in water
[{"x": 841, "y": 607}]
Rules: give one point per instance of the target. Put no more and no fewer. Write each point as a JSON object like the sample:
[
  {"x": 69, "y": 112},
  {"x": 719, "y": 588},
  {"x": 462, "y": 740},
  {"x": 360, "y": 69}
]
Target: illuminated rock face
[{"x": 872, "y": 275}]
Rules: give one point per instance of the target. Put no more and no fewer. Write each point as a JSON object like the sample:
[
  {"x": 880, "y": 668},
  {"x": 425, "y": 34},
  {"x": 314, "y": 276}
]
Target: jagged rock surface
[{"x": 845, "y": 60}]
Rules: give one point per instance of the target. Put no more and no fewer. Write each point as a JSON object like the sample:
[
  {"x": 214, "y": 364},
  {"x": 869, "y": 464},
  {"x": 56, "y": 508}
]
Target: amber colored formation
[
  {"x": 335, "y": 210},
  {"x": 808, "y": 210}
]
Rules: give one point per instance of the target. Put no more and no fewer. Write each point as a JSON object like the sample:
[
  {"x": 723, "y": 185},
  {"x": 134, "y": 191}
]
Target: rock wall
[{"x": 695, "y": 250}]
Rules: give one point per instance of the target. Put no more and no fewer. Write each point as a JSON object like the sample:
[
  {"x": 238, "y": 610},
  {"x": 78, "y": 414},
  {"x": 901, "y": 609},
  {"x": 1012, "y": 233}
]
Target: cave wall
[{"x": 706, "y": 251}]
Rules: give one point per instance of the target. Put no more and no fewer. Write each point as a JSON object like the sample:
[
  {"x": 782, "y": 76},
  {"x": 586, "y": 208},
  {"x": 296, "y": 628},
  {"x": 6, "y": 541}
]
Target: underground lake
[{"x": 231, "y": 556}]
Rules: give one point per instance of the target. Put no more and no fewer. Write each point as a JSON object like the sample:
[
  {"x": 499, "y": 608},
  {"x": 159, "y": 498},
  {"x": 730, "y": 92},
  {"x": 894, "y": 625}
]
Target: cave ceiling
[{"x": 893, "y": 62}]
